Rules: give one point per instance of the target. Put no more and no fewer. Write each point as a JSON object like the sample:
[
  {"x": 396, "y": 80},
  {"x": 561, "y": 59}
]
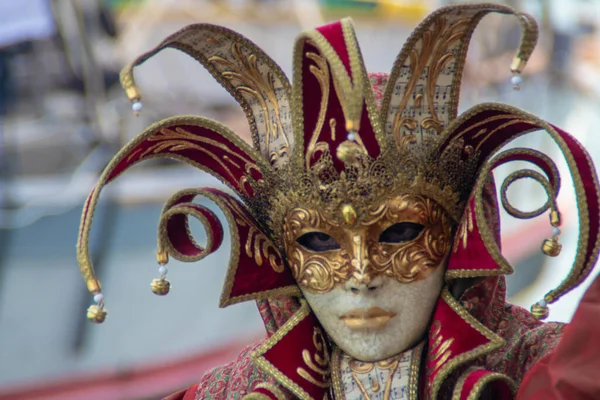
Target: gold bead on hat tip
[
  {"x": 517, "y": 65},
  {"x": 551, "y": 247},
  {"x": 160, "y": 286},
  {"x": 162, "y": 257},
  {"x": 351, "y": 126},
  {"x": 539, "y": 311},
  {"x": 555, "y": 218},
  {"x": 96, "y": 314}
]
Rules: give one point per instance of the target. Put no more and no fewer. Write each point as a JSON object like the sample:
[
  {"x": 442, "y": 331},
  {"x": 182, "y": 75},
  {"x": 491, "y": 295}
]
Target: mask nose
[
  {"x": 371, "y": 287},
  {"x": 360, "y": 262}
]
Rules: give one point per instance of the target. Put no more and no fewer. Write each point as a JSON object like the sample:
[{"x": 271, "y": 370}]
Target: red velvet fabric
[
  {"x": 266, "y": 393},
  {"x": 490, "y": 129},
  {"x": 461, "y": 258},
  {"x": 497, "y": 389},
  {"x": 311, "y": 92},
  {"x": 590, "y": 185},
  {"x": 463, "y": 336},
  {"x": 287, "y": 355},
  {"x": 572, "y": 371},
  {"x": 205, "y": 147},
  {"x": 250, "y": 277},
  {"x": 177, "y": 230},
  {"x": 475, "y": 128},
  {"x": 334, "y": 34},
  {"x": 531, "y": 158}
]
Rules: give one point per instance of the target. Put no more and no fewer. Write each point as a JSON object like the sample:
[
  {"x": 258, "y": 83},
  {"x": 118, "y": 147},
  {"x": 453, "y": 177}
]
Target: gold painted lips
[{"x": 372, "y": 319}]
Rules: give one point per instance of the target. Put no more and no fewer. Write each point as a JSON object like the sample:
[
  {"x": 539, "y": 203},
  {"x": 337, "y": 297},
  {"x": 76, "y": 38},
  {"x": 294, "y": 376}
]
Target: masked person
[{"x": 365, "y": 219}]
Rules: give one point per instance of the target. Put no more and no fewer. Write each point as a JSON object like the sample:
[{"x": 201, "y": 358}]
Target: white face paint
[{"x": 379, "y": 320}]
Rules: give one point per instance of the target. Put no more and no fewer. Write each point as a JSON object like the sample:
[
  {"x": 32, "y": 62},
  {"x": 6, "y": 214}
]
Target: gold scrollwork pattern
[
  {"x": 179, "y": 139},
  {"x": 407, "y": 262},
  {"x": 358, "y": 367},
  {"x": 440, "y": 347},
  {"x": 256, "y": 84},
  {"x": 361, "y": 255},
  {"x": 430, "y": 58},
  {"x": 318, "y": 363},
  {"x": 257, "y": 245},
  {"x": 464, "y": 228},
  {"x": 318, "y": 272}
]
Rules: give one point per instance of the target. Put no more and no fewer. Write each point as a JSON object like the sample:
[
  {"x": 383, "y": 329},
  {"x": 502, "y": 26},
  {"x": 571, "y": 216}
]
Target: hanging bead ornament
[
  {"x": 516, "y": 68},
  {"x": 516, "y": 81},
  {"x": 96, "y": 312},
  {"x": 540, "y": 310},
  {"x": 136, "y": 107},
  {"x": 551, "y": 247},
  {"x": 351, "y": 128},
  {"x": 161, "y": 285}
]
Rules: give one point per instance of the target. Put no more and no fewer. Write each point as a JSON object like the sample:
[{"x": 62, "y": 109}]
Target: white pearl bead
[
  {"x": 542, "y": 303},
  {"x": 98, "y": 297},
  {"x": 516, "y": 80},
  {"x": 137, "y": 106},
  {"x": 162, "y": 270},
  {"x": 555, "y": 231},
  {"x": 351, "y": 136}
]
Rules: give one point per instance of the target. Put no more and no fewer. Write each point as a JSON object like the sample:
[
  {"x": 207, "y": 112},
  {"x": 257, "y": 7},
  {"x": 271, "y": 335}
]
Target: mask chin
[{"x": 379, "y": 320}]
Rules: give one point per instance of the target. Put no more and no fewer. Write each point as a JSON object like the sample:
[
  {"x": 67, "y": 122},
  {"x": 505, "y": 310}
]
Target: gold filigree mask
[{"x": 405, "y": 238}]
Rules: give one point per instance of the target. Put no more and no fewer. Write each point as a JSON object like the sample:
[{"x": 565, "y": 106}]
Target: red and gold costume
[{"x": 339, "y": 140}]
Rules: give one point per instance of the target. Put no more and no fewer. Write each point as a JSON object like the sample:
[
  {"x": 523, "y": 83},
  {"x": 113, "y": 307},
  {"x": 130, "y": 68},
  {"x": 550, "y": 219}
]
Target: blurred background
[{"x": 63, "y": 115}]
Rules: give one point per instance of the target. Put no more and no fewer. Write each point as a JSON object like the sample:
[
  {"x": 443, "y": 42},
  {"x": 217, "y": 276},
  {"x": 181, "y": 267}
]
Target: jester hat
[{"x": 337, "y": 140}]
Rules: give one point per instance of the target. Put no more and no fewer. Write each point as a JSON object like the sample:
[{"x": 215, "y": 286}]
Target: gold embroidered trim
[
  {"x": 579, "y": 271},
  {"x": 226, "y": 206},
  {"x": 450, "y": 365},
  {"x": 336, "y": 377},
  {"x": 165, "y": 244},
  {"x": 264, "y": 364},
  {"x": 476, "y": 390},
  {"x": 415, "y": 366},
  {"x": 247, "y": 72},
  {"x": 83, "y": 256},
  {"x": 351, "y": 90},
  {"x": 177, "y": 41},
  {"x": 528, "y": 41},
  {"x": 321, "y": 363},
  {"x": 256, "y": 396},
  {"x": 273, "y": 389}
]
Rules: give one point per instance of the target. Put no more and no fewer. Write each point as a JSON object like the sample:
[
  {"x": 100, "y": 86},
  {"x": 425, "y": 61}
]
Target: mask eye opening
[
  {"x": 401, "y": 232},
  {"x": 318, "y": 242}
]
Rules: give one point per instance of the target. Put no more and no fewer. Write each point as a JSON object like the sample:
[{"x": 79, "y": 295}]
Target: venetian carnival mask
[
  {"x": 361, "y": 198},
  {"x": 371, "y": 281}
]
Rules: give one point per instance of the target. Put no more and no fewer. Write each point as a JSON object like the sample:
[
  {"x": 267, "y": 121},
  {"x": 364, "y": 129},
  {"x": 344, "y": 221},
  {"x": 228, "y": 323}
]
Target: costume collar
[
  {"x": 455, "y": 338},
  {"x": 298, "y": 357}
]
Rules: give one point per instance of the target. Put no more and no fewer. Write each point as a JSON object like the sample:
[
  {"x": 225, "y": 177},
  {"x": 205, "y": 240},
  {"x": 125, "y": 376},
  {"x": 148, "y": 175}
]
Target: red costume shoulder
[{"x": 573, "y": 369}]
